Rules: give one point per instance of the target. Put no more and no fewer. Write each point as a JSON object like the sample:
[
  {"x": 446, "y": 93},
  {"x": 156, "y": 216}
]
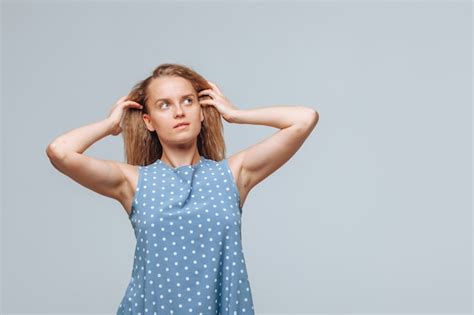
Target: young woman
[{"x": 184, "y": 198}]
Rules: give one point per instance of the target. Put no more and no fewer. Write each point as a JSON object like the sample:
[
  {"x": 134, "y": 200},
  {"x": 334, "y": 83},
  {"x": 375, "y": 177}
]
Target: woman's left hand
[{"x": 219, "y": 101}]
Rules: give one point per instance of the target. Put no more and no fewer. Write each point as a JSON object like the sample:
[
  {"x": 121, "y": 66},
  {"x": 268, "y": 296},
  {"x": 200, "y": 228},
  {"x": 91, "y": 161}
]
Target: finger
[
  {"x": 205, "y": 91},
  {"x": 207, "y": 102},
  {"x": 131, "y": 104},
  {"x": 215, "y": 87},
  {"x": 210, "y": 92}
]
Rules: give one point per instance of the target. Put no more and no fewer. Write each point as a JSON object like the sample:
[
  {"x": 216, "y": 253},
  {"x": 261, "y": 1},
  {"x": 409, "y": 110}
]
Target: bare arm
[
  {"x": 252, "y": 165},
  {"x": 105, "y": 177},
  {"x": 260, "y": 160}
]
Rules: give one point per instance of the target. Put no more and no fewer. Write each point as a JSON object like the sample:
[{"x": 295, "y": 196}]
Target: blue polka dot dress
[{"x": 188, "y": 256}]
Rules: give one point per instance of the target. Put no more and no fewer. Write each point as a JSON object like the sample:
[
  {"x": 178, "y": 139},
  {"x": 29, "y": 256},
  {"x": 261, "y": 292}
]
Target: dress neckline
[{"x": 193, "y": 166}]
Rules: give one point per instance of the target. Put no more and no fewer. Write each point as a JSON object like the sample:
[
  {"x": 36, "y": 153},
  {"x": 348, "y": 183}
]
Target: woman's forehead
[{"x": 170, "y": 87}]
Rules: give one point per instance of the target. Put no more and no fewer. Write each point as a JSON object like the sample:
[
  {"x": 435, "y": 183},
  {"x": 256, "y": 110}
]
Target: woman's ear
[{"x": 146, "y": 119}]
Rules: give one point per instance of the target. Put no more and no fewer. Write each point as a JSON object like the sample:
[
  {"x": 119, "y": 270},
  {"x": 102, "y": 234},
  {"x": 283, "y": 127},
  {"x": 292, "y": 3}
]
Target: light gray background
[{"x": 373, "y": 213}]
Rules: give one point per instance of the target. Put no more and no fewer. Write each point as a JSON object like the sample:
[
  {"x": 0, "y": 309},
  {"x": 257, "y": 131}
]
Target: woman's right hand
[{"x": 117, "y": 113}]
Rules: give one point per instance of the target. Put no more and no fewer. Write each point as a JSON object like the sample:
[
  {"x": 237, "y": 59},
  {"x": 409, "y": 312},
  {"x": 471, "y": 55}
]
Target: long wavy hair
[{"x": 143, "y": 147}]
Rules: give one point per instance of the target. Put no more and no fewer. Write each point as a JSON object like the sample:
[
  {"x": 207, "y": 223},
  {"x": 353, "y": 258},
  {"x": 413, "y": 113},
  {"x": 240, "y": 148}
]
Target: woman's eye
[{"x": 163, "y": 104}]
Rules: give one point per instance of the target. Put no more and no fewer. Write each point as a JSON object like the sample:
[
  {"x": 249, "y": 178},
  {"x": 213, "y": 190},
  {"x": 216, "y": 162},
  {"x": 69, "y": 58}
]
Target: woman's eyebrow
[{"x": 167, "y": 99}]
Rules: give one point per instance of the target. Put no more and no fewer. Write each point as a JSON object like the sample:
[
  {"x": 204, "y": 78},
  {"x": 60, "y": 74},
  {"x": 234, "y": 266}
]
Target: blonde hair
[{"x": 143, "y": 147}]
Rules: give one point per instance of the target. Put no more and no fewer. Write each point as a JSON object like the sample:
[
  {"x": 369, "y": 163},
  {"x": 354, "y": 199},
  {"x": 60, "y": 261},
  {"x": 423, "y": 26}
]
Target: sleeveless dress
[{"x": 188, "y": 256}]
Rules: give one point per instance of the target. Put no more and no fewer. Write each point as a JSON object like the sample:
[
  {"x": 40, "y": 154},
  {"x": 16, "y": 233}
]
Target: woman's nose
[{"x": 179, "y": 110}]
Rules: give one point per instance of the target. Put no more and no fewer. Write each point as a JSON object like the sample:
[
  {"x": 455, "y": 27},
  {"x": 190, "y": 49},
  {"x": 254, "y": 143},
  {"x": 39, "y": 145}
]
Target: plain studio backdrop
[{"x": 372, "y": 215}]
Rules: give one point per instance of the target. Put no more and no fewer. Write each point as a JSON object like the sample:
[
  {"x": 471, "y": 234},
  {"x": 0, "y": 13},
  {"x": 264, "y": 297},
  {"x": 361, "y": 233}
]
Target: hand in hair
[
  {"x": 218, "y": 100},
  {"x": 118, "y": 112}
]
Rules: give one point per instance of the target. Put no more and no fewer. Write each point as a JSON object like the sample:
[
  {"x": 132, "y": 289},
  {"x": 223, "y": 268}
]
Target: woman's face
[{"x": 173, "y": 100}]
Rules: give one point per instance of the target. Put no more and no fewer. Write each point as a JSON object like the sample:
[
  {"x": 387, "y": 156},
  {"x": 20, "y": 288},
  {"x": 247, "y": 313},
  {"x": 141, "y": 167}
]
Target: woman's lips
[{"x": 181, "y": 126}]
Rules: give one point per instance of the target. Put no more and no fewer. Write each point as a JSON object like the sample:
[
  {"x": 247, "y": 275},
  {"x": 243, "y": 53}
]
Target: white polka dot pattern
[{"x": 188, "y": 256}]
